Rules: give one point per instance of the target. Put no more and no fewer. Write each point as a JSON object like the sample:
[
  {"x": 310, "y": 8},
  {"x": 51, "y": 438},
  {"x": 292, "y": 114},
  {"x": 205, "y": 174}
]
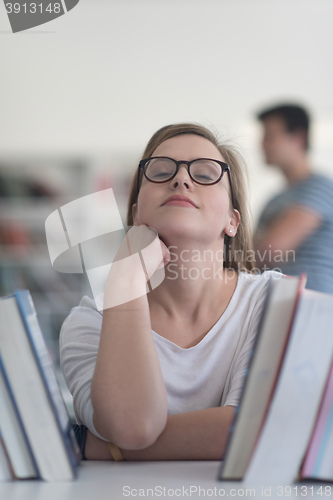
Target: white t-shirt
[{"x": 209, "y": 374}]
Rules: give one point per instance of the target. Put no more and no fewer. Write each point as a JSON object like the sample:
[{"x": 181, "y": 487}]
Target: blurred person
[{"x": 295, "y": 229}]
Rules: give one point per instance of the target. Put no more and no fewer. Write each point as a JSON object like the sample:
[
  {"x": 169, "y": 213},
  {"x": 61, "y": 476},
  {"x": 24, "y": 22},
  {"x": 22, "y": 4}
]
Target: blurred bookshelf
[{"x": 31, "y": 188}]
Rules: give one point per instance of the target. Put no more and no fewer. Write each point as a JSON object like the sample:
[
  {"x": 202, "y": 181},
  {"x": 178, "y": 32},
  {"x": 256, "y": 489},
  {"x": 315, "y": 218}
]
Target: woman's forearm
[
  {"x": 198, "y": 435},
  {"x": 128, "y": 391}
]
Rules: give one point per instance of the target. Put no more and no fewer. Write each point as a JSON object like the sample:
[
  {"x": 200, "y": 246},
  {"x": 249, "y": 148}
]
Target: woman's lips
[{"x": 180, "y": 203}]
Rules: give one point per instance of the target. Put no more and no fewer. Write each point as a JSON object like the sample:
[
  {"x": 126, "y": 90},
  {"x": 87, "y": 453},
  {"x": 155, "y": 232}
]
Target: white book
[
  {"x": 285, "y": 435},
  {"x": 35, "y": 389},
  {"x": 265, "y": 363},
  {"x": 5, "y": 470},
  {"x": 13, "y": 433},
  {"x": 318, "y": 461}
]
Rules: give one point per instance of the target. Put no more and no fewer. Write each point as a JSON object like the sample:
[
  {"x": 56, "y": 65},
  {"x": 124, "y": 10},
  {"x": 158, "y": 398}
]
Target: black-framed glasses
[{"x": 203, "y": 171}]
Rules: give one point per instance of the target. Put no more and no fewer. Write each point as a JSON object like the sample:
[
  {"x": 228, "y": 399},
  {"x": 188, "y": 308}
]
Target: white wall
[{"x": 101, "y": 79}]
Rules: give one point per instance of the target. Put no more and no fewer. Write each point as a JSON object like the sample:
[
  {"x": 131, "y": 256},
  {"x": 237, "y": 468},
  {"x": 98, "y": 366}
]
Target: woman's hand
[{"x": 145, "y": 241}]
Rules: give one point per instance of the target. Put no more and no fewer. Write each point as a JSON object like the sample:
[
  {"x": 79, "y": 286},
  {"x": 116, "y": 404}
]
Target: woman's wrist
[
  {"x": 96, "y": 448},
  {"x": 126, "y": 282}
]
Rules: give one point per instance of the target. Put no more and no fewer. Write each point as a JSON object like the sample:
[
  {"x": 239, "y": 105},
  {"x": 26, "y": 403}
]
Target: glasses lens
[
  {"x": 160, "y": 169},
  {"x": 205, "y": 171}
]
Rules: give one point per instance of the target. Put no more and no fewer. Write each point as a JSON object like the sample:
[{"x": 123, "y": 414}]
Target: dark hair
[
  {"x": 238, "y": 248},
  {"x": 294, "y": 116}
]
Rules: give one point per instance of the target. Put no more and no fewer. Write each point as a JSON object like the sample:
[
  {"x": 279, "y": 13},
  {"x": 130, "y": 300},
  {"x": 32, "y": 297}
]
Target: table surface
[{"x": 195, "y": 479}]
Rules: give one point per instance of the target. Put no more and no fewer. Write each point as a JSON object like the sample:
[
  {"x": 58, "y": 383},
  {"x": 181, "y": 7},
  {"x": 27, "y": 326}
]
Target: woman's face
[{"x": 209, "y": 217}]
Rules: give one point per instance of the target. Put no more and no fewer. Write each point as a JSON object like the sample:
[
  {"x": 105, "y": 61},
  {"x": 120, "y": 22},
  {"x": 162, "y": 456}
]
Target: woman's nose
[{"x": 182, "y": 177}]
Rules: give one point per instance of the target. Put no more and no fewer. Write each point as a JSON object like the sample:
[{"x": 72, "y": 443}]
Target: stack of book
[
  {"x": 283, "y": 428},
  {"x": 36, "y": 436}
]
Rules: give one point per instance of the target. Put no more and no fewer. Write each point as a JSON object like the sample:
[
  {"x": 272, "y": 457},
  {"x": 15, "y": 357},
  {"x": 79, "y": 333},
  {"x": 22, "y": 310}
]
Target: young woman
[{"x": 157, "y": 378}]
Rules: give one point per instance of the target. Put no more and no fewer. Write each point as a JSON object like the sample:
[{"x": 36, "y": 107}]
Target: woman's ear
[
  {"x": 134, "y": 214},
  {"x": 234, "y": 221}
]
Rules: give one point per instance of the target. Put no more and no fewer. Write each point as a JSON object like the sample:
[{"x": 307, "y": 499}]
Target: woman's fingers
[
  {"x": 143, "y": 241},
  {"x": 166, "y": 255}
]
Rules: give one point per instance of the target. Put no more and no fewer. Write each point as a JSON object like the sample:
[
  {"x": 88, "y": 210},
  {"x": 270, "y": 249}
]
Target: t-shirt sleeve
[
  {"x": 242, "y": 358},
  {"x": 317, "y": 195},
  {"x": 79, "y": 342}
]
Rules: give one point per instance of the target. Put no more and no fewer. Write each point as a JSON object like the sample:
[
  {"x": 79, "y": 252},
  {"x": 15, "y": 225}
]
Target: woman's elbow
[
  {"x": 132, "y": 433},
  {"x": 141, "y": 435}
]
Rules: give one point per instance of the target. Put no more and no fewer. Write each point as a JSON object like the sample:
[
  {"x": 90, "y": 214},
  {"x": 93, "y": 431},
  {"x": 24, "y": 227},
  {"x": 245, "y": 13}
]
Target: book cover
[
  {"x": 36, "y": 390},
  {"x": 13, "y": 432},
  {"x": 287, "y": 429},
  {"x": 6, "y": 471},
  {"x": 47, "y": 372},
  {"x": 272, "y": 338},
  {"x": 318, "y": 460}
]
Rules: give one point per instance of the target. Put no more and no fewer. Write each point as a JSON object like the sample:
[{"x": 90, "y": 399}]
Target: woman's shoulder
[
  {"x": 255, "y": 285},
  {"x": 84, "y": 320},
  {"x": 87, "y": 307},
  {"x": 258, "y": 280}
]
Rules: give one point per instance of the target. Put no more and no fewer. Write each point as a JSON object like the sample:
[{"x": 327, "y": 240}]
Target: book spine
[
  {"x": 6, "y": 470},
  {"x": 45, "y": 367},
  {"x": 19, "y": 430},
  {"x": 221, "y": 474},
  {"x": 315, "y": 453}
]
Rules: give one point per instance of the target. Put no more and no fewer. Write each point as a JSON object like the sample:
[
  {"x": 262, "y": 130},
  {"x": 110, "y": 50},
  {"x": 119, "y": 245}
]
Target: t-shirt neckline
[{"x": 223, "y": 318}]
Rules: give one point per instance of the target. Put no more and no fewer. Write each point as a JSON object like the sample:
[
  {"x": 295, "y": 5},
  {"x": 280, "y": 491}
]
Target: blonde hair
[{"x": 238, "y": 248}]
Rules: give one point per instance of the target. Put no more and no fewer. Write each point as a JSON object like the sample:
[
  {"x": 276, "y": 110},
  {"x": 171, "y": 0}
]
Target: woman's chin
[{"x": 177, "y": 231}]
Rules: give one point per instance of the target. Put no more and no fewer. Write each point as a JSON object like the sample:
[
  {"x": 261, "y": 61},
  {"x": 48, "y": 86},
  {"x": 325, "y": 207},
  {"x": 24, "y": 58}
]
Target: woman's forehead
[{"x": 188, "y": 147}]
